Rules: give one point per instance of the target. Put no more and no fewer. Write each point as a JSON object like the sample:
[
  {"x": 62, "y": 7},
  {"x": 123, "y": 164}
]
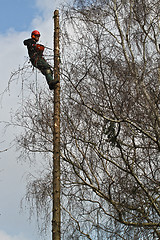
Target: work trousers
[{"x": 44, "y": 67}]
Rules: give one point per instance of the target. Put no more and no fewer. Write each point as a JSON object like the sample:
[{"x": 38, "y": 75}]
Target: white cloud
[
  {"x": 5, "y": 236},
  {"x": 13, "y": 55},
  {"x": 48, "y": 5}
]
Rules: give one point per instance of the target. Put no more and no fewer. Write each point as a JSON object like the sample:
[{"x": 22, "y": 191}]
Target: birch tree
[{"x": 112, "y": 122}]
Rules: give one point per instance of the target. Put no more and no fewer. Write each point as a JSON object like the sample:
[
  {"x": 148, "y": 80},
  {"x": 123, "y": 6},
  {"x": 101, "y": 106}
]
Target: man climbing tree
[{"x": 35, "y": 52}]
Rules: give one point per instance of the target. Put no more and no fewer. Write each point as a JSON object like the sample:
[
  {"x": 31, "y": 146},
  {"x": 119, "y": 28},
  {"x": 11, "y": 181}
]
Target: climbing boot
[{"x": 52, "y": 84}]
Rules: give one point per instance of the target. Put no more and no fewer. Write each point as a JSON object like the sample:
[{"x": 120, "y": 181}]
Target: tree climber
[{"x": 35, "y": 52}]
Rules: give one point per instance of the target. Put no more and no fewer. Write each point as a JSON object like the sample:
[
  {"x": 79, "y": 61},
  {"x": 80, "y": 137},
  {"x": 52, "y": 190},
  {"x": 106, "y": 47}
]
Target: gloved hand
[{"x": 39, "y": 47}]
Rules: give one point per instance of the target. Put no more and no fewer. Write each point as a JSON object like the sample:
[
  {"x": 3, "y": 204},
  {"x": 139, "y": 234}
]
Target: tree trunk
[{"x": 56, "y": 155}]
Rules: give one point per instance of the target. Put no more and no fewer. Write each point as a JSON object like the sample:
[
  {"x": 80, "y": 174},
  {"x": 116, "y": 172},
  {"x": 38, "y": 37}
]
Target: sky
[{"x": 17, "y": 19}]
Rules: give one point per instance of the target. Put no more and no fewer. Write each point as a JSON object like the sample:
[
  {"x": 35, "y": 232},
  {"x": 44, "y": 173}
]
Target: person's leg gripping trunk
[{"x": 45, "y": 69}]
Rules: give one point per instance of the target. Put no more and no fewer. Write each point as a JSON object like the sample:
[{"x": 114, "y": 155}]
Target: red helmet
[{"x": 35, "y": 33}]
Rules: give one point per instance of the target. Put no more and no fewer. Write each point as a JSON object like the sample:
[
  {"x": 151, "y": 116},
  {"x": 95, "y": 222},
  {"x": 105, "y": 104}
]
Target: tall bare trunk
[{"x": 56, "y": 156}]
